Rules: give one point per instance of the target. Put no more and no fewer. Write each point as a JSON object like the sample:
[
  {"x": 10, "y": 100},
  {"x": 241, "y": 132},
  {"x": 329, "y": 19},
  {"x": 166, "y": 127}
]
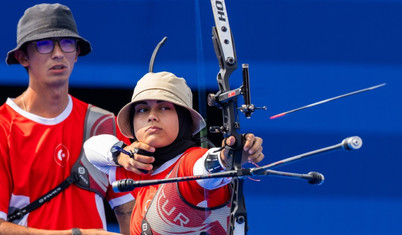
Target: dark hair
[{"x": 24, "y": 50}]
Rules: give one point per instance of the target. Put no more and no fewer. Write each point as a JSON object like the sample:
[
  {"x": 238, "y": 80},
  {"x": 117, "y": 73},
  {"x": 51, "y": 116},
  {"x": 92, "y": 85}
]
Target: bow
[{"x": 226, "y": 99}]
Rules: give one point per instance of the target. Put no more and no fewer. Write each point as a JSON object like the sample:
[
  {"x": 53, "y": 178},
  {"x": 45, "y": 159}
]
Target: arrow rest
[{"x": 220, "y": 99}]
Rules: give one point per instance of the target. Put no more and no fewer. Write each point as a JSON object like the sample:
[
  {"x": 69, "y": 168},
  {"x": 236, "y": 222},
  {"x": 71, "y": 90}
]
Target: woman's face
[{"x": 155, "y": 123}]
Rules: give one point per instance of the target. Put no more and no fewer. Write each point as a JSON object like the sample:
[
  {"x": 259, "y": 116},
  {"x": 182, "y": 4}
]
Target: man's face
[{"x": 52, "y": 68}]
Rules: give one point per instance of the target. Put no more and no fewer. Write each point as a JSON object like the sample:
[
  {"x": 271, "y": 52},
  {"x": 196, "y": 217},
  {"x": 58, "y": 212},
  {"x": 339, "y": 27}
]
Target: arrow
[{"x": 327, "y": 100}]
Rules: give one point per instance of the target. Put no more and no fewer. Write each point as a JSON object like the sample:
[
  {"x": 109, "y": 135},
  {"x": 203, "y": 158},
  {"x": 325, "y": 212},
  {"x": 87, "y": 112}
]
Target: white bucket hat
[{"x": 160, "y": 86}]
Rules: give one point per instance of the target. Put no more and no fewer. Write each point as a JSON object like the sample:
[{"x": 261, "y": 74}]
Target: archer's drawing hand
[
  {"x": 252, "y": 148},
  {"x": 140, "y": 163}
]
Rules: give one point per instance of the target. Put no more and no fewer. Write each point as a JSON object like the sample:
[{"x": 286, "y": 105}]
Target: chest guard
[
  {"x": 170, "y": 213},
  {"x": 97, "y": 121}
]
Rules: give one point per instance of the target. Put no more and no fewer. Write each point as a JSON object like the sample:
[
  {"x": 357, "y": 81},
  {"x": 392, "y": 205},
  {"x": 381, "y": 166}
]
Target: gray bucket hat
[
  {"x": 160, "y": 86},
  {"x": 47, "y": 21}
]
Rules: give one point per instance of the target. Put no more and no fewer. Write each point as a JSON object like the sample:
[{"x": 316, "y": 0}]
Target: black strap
[{"x": 40, "y": 201}]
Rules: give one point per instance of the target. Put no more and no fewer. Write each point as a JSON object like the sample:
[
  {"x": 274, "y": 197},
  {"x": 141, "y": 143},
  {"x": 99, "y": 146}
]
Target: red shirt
[
  {"x": 190, "y": 190},
  {"x": 36, "y": 154}
]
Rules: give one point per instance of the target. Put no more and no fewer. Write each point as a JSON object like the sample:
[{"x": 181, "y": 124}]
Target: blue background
[{"x": 300, "y": 52}]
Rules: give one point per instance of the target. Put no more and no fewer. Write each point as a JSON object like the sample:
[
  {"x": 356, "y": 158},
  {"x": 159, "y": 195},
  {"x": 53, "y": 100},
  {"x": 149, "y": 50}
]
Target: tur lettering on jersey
[{"x": 170, "y": 213}]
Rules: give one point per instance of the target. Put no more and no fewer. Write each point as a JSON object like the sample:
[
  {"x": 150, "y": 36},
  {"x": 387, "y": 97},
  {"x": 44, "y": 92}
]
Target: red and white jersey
[
  {"x": 191, "y": 190},
  {"x": 36, "y": 155}
]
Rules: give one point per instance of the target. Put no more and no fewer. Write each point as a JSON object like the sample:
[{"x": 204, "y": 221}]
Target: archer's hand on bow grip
[{"x": 252, "y": 148}]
